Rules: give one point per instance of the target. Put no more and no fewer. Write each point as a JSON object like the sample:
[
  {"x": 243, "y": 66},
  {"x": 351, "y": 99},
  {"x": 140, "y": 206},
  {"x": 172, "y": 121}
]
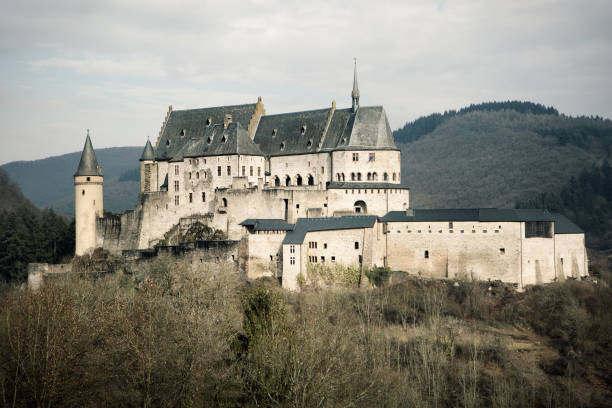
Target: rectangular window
[
  {"x": 312, "y": 245},
  {"x": 176, "y": 200},
  {"x": 322, "y": 170},
  {"x": 218, "y": 170},
  {"x": 176, "y": 170},
  {"x": 372, "y": 157},
  {"x": 292, "y": 249},
  {"x": 503, "y": 251},
  {"x": 450, "y": 225},
  {"x": 258, "y": 171},
  {"x": 191, "y": 197},
  {"x": 251, "y": 171},
  {"x": 356, "y": 245},
  {"x": 176, "y": 185},
  {"x": 538, "y": 229},
  {"x": 243, "y": 171},
  {"x": 292, "y": 260},
  {"x": 333, "y": 259},
  {"x": 426, "y": 254},
  {"x": 322, "y": 259},
  {"x": 229, "y": 170},
  {"x": 325, "y": 245},
  {"x": 355, "y": 156},
  {"x": 203, "y": 197}
]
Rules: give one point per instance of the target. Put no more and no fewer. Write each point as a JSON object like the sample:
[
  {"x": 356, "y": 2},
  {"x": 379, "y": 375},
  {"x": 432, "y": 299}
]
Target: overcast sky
[{"x": 115, "y": 66}]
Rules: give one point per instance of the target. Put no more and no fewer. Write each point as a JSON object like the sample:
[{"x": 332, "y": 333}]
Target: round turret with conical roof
[
  {"x": 88, "y": 182},
  {"x": 148, "y": 169}
]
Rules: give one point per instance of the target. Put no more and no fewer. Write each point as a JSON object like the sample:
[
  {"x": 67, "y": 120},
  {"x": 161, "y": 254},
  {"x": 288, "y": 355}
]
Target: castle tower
[
  {"x": 88, "y": 181},
  {"x": 148, "y": 169},
  {"x": 355, "y": 93}
]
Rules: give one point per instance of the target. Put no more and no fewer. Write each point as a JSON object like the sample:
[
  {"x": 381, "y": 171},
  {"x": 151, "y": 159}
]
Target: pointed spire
[
  {"x": 148, "y": 153},
  {"x": 88, "y": 165},
  {"x": 355, "y": 93}
]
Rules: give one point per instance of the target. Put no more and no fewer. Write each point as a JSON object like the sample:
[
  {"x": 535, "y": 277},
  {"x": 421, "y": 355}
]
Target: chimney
[{"x": 227, "y": 120}]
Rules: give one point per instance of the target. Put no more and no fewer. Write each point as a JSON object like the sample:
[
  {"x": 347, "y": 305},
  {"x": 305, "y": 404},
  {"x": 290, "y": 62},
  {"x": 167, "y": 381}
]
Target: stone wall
[
  {"x": 39, "y": 272},
  {"x": 385, "y": 161},
  {"x": 570, "y": 253}
]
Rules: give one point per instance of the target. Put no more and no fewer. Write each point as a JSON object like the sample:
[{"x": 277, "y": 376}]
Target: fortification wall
[
  {"x": 478, "y": 250},
  {"x": 378, "y": 201},
  {"x": 570, "y": 254},
  {"x": 264, "y": 252},
  {"x": 39, "y": 272}
]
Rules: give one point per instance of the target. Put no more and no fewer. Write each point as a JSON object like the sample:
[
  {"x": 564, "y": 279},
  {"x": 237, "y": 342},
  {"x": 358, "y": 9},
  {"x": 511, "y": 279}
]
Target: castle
[{"x": 314, "y": 187}]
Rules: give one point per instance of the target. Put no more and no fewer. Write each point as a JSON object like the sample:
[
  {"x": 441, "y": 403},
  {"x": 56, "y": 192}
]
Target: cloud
[{"x": 121, "y": 63}]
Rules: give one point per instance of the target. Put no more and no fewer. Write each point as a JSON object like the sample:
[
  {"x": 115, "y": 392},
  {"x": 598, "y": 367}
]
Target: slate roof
[
  {"x": 267, "y": 224},
  {"x": 184, "y": 125},
  {"x": 305, "y": 225},
  {"x": 148, "y": 153},
  {"x": 564, "y": 226},
  {"x": 217, "y": 141},
  {"x": 304, "y": 132},
  {"x": 469, "y": 214},
  {"x": 88, "y": 166},
  {"x": 363, "y": 185}
]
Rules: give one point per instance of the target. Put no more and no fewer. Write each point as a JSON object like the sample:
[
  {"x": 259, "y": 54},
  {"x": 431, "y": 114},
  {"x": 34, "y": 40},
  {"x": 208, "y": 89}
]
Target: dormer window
[
  {"x": 274, "y": 131},
  {"x": 282, "y": 146},
  {"x": 208, "y": 122},
  {"x": 183, "y": 131},
  {"x": 209, "y": 140},
  {"x": 303, "y": 130},
  {"x": 309, "y": 144},
  {"x": 224, "y": 139},
  {"x": 343, "y": 141},
  {"x": 167, "y": 142}
]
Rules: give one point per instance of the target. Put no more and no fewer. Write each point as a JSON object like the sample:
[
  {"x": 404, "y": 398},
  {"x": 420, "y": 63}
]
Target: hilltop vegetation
[
  {"x": 493, "y": 158},
  {"x": 48, "y": 183},
  {"x": 160, "y": 335},
  {"x": 586, "y": 199},
  {"x": 27, "y": 234}
]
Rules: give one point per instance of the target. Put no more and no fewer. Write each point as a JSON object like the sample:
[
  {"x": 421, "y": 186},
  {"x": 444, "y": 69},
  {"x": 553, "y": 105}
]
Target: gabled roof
[
  {"x": 564, "y": 226},
  {"x": 267, "y": 224},
  {"x": 305, "y": 225},
  {"x": 148, "y": 153},
  {"x": 468, "y": 214},
  {"x": 184, "y": 125},
  {"x": 217, "y": 141},
  {"x": 88, "y": 166},
  {"x": 308, "y": 132}
]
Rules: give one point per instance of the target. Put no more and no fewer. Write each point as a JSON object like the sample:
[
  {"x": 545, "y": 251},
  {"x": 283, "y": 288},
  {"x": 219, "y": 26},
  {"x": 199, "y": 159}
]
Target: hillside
[
  {"x": 494, "y": 158},
  {"x": 11, "y": 197},
  {"x": 48, "y": 182}
]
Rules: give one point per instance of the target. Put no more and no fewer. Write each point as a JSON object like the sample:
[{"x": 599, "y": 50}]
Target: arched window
[
  {"x": 338, "y": 176},
  {"x": 369, "y": 176},
  {"x": 385, "y": 177},
  {"x": 189, "y": 175},
  {"x": 360, "y": 207},
  {"x": 358, "y": 176},
  {"x": 198, "y": 175},
  {"x": 342, "y": 176},
  {"x": 310, "y": 180},
  {"x": 374, "y": 176},
  {"x": 298, "y": 180},
  {"x": 393, "y": 176},
  {"x": 224, "y": 201},
  {"x": 276, "y": 181},
  {"x": 352, "y": 176},
  {"x": 287, "y": 181}
]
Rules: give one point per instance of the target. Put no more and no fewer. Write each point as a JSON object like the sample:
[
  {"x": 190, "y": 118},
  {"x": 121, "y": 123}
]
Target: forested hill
[
  {"x": 48, "y": 183},
  {"x": 495, "y": 154},
  {"x": 11, "y": 197}
]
